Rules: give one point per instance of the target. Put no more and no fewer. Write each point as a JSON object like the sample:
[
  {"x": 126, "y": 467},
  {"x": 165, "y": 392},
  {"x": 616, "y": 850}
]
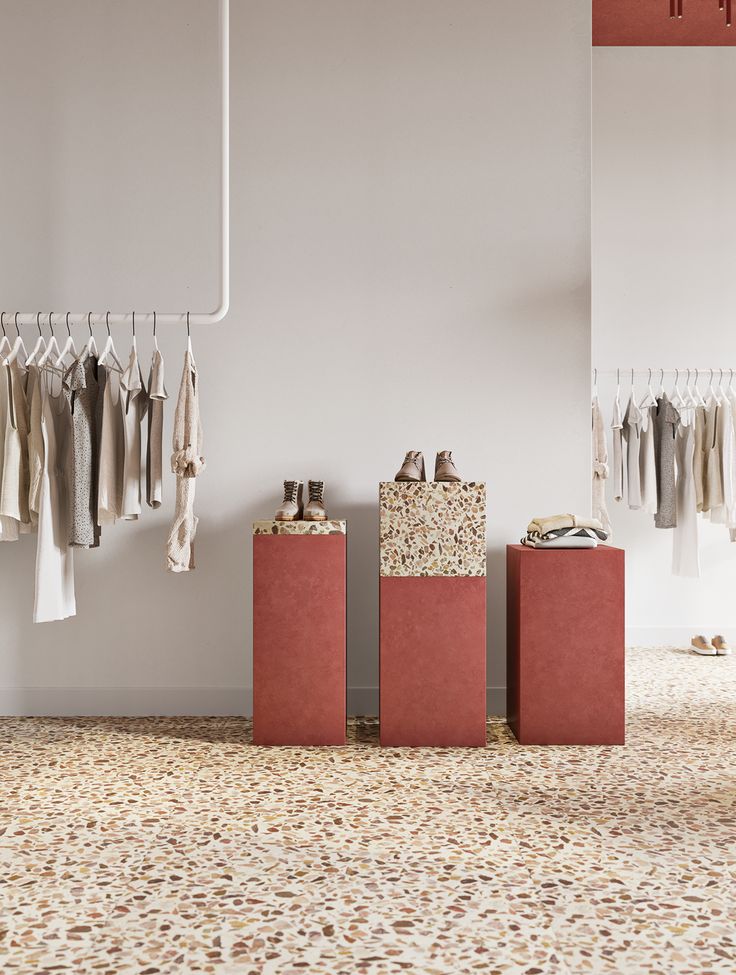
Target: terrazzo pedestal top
[
  {"x": 299, "y": 527},
  {"x": 173, "y": 846},
  {"x": 432, "y": 528}
]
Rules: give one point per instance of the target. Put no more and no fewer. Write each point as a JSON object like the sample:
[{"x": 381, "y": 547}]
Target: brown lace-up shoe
[
  {"x": 292, "y": 507},
  {"x": 315, "y": 508},
  {"x": 413, "y": 467},
  {"x": 444, "y": 468}
]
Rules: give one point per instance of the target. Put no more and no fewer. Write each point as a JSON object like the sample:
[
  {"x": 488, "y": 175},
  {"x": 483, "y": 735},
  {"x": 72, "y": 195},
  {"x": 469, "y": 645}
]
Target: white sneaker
[
  {"x": 721, "y": 645},
  {"x": 701, "y": 645}
]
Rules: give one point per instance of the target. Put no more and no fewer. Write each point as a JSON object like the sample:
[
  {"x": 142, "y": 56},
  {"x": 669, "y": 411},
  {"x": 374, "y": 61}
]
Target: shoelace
[
  {"x": 316, "y": 491},
  {"x": 290, "y": 491}
]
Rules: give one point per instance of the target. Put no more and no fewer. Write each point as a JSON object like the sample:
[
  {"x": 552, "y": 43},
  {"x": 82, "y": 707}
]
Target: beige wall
[
  {"x": 410, "y": 262},
  {"x": 664, "y": 290}
]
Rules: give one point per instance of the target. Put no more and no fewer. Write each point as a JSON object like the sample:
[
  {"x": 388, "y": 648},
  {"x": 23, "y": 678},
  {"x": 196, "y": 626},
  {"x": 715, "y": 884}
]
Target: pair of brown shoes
[
  {"x": 413, "y": 467},
  {"x": 292, "y": 507}
]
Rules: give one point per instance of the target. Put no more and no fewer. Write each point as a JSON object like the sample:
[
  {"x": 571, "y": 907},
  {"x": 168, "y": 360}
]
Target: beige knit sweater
[{"x": 187, "y": 463}]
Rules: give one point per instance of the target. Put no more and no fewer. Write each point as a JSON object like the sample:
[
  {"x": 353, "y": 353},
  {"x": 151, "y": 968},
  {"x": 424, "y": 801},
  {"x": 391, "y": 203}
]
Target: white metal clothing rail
[{"x": 180, "y": 318}]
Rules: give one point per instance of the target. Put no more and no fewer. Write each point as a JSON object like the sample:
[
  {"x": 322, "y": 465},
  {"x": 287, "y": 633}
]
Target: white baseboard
[{"x": 137, "y": 701}]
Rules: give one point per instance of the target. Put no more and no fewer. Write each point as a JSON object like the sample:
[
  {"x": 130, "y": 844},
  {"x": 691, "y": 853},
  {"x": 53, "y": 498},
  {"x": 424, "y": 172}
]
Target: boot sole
[
  {"x": 320, "y": 518},
  {"x": 289, "y": 518}
]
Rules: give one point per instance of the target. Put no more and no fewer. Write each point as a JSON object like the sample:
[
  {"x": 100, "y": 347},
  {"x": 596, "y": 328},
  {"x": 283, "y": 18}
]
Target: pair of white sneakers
[{"x": 717, "y": 647}]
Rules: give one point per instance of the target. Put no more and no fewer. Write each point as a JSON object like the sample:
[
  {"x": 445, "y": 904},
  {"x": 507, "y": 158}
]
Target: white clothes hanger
[
  {"x": 40, "y": 343},
  {"x": 661, "y": 383},
  {"x": 18, "y": 345},
  {"x": 5, "y": 346},
  {"x": 649, "y": 399},
  {"x": 697, "y": 395},
  {"x": 712, "y": 394},
  {"x": 155, "y": 339},
  {"x": 52, "y": 346},
  {"x": 68, "y": 347},
  {"x": 632, "y": 395},
  {"x": 109, "y": 349},
  {"x": 677, "y": 398},
  {"x": 91, "y": 346},
  {"x": 189, "y": 340}
]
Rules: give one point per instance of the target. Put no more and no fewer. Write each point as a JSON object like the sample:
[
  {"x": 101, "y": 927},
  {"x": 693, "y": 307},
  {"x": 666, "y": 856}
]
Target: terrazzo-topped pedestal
[
  {"x": 433, "y": 614},
  {"x": 299, "y": 666}
]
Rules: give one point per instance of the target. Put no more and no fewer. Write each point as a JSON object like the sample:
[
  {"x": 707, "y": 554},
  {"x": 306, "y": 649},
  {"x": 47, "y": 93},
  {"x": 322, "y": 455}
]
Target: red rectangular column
[
  {"x": 565, "y": 650},
  {"x": 299, "y": 614},
  {"x": 433, "y": 660}
]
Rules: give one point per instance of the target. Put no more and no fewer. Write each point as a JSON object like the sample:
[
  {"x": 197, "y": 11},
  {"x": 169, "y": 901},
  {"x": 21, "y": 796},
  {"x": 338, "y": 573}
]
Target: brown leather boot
[
  {"x": 292, "y": 507},
  {"x": 413, "y": 467},
  {"x": 315, "y": 509},
  {"x": 444, "y": 468}
]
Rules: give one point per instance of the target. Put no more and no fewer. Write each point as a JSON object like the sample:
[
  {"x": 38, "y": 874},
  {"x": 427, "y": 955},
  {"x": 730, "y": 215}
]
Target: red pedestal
[
  {"x": 433, "y": 660},
  {"x": 565, "y": 657},
  {"x": 299, "y": 639}
]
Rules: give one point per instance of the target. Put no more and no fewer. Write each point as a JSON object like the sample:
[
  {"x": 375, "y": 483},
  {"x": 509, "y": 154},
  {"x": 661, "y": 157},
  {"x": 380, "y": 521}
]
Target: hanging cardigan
[
  {"x": 187, "y": 463},
  {"x": 600, "y": 468}
]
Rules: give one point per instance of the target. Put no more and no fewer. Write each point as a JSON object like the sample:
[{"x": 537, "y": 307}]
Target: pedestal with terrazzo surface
[
  {"x": 299, "y": 594},
  {"x": 433, "y": 613},
  {"x": 565, "y": 652}
]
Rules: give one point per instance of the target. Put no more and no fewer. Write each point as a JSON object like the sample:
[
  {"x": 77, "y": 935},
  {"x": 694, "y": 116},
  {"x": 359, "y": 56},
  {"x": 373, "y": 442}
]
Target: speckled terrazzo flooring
[{"x": 166, "y": 845}]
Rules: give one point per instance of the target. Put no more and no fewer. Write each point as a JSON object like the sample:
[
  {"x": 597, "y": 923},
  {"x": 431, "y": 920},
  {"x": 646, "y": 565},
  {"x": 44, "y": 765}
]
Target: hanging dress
[
  {"x": 18, "y": 376},
  {"x": 154, "y": 442},
  {"x": 685, "y": 553},
  {"x": 632, "y": 435},
  {"x": 666, "y": 419},
  {"x": 187, "y": 463},
  {"x": 720, "y": 514},
  {"x": 112, "y": 449},
  {"x": 9, "y": 461},
  {"x": 80, "y": 385},
  {"x": 35, "y": 442},
  {"x": 698, "y": 456},
  {"x": 712, "y": 472},
  {"x": 134, "y": 399},
  {"x": 618, "y": 457},
  {"x": 55, "y": 598},
  {"x": 647, "y": 462}
]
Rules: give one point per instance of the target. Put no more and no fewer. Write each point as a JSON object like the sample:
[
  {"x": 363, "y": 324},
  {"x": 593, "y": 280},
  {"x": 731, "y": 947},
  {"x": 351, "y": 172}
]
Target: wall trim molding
[
  {"x": 668, "y": 636},
  {"x": 138, "y": 701}
]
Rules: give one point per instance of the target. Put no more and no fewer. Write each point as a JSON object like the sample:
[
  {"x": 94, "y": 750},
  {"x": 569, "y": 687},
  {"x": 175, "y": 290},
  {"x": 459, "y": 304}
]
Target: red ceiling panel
[{"x": 661, "y": 23}]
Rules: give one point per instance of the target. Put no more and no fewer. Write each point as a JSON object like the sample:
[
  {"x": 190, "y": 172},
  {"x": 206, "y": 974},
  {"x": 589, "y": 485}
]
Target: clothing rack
[{"x": 185, "y": 317}]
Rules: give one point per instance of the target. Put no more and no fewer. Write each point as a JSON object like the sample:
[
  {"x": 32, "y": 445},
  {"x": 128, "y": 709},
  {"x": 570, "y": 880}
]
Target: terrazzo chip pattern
[{"x": 172, "y": 845}]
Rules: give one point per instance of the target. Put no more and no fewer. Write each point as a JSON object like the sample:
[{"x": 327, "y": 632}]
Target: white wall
[
  {"x": 664, "y": 289},
  {"x": 410, "y": 224}
]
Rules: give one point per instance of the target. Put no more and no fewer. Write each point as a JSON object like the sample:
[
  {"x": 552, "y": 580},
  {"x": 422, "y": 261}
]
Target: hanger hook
[
  {"x": 677, "y": 376},
  {"x": 710, "y": 381},
  {"x": 188, "y": 332},
  {"x": 2, "y": 321},
  {"x": 16, "y": 323},
  {"x": 133, "y": 324},
  {"x": 38, "y": 324},
  {"x": 649, "y": 381},
  {"x": 51, "y": 322},
  {"x": 107, "y": 323},
  {"x": 618, "y": 377},
  {"x": 595, "y": 377},
  {"x": 720, "y": 378},
  {"x": 154, "y": 324},
  {"x": 89, "y": 323}
]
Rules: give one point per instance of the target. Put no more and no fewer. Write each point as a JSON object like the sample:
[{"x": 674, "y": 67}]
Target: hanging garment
[
  {"x": 135, "y": 400},
  {"x": 154, "y": 443},
  {"x": 666, "y": 419},
  {"x": 10, "y": 460},
  {"x": 618, "y": 457},
  {"x": 35, "y": 442},
  {"x": 632, "y": 435},
  {"x": 55, "y": 599},
  {"x": 112, "y": 449},
  {"x": 600, "y": 467},
  {"x": 698, "y": 456},
  {"x": 187, "y": 463},
  {"x": 18, "y": 382},
  {"x": 720, "y": 514},
  {"x": 685, "y": 554},
  {"x": 647, "y": 462},
  {"x": 80, "y": 384},
  {"x": 712, "y": 470}
]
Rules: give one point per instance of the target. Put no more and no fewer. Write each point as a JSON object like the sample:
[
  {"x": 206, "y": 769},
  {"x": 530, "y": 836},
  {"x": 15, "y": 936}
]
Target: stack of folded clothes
[{"x": 564, "y": 531}]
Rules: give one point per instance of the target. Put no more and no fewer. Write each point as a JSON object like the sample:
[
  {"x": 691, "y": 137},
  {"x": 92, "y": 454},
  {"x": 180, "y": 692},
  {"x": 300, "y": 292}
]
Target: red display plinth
[
  {"x": 299, "y": 639},
  {"x": 565, "y": 651},
  {"x": 433, "y": 660}
]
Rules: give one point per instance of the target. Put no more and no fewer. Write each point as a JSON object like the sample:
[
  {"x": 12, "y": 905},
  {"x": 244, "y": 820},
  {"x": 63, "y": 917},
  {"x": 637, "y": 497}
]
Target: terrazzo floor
[{"x": 162, "y": 845}]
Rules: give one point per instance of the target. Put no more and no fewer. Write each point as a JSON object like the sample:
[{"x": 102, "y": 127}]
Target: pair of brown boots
[
  {"x": 413, "y": 467},
  {"x": 292, "y": 508}
]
